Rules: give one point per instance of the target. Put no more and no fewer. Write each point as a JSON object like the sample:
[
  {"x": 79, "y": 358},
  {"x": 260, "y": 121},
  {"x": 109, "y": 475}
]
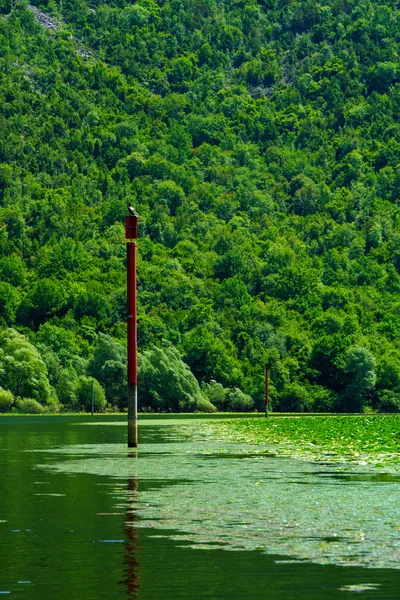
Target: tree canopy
[{"x": 259, "y": 143}]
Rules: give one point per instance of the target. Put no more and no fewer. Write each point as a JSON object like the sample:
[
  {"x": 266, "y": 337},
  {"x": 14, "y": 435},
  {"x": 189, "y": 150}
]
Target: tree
[
  {"x": 108, "y": 367},
  {"x": 389, "y": 401},
  {"x": 209, "y": 357},
  {"x": 45, "y": 300},
  {"x": 360, "y": 365},
  {"x": 238, "y": 401},
  {"x": 60, "y": 340},
  {"x": 171, "y": 195},
  {"x": 167, "y": 384},
  {"x": 67, "y": 388},
  {"x": 9, "y": 302},
  {"x": 293, "y": 398},
  {"x": 258, "y": 142},
  {"x": 216, "y": 394},
  {"x": 30, "y": 406},
  {"x": 6, "y": 400},
  {"x": 328, "y": 358},
  {"x": 22, "y": 370},
  {"x": 383, "y": 75},
  {"x": 12, "y": 270},
  {"x": 84, "y": 394}
]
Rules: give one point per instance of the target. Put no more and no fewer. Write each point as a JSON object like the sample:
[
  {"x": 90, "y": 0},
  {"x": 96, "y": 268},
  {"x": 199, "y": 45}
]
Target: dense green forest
[{"x": 259, "y": 142}]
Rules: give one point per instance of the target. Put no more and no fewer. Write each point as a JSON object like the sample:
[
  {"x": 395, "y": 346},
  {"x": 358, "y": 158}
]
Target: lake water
[{"x": 185, "y": 517}]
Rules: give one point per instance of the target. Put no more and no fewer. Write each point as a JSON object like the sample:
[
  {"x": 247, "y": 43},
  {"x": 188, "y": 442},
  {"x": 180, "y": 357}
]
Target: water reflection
[
  {"x": 185, "y": 501},
  {"x": 131, "y": 563}
]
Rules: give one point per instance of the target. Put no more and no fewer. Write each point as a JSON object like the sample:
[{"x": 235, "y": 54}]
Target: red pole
[
  {"x": 131, "y": 233},
  {"x": 266, "y": 391},
  {"x": 132, "y": 327}
]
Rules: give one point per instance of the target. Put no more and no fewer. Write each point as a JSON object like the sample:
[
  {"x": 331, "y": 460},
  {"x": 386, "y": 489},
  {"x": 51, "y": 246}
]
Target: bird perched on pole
[{"x": 132, "y": 210}]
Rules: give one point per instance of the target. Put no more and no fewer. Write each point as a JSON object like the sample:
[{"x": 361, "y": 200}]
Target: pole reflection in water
[{"x": 131, "y": 564}]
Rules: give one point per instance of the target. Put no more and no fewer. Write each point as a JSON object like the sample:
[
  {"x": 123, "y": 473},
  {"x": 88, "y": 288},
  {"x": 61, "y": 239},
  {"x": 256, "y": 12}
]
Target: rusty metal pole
[
  {"x": 266, "y": 391},
  {"x": 131, "y": 233}
]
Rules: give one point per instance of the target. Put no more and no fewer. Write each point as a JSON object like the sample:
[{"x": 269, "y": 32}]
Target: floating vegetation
[
  {"x": 55, "y": 495},
  {"x": 368, "y": 439},
  {"x": 239, "y": 496},
  {"x": 359, "y": 587}
]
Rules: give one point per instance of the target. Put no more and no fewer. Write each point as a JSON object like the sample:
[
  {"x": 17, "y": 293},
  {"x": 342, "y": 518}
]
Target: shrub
[
  {"x": 108, "y": 367},
  {"x": 30, "y": 406},
  {"x": 238, "y": 401},
  {"x": 294, "y": 398},
  {"x": 6, "y": 400},
  {"x": 389, "y": 401},
  {"x": 85, "y": 394},
  {"x": 321, "y": 399},
  {"x": 22, "y": 369},
  {"x": 204, "y": 405},
  {"x": 67, "y": 388},
  {"x": 167, "y": 384},
  {"x": 216, "y": 394}
]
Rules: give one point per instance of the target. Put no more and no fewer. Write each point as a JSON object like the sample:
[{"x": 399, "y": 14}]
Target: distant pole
[
  {"x": 131, "y": 233},
  {"x": 92, "y": 396},
  {"x": 266, "y": 391}
]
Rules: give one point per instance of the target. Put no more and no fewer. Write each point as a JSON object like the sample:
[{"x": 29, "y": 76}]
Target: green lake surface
[{"x": 186, "y": 516}]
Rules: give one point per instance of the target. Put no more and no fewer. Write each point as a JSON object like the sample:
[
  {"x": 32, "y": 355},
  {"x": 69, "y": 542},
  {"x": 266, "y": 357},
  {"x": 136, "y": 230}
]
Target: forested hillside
[{"x": 259, "y": 142}]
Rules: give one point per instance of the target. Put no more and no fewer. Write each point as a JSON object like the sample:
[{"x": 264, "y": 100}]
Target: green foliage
[
  {"x": 108, "y": 366},
  {"x": 12, "y": 270},
  {"x": 6, "y": 400},
  {"x": 85, "y": 395},
  {"x": 293, "y": 398},
  {"x": 321, "y": 399},
  {"x": 22, "y": 370},
  {"x": 259, "y": 144},
  {"x": 207, "y": 355},
  {"x": 363, "y": 438},
  {"x": 239, "y": 401},
  {"x": 389, "y": 401},
  {"x": 216, "y": 394},
  {"x": 59, "y": 340},
  {"x": 9, "y": 301},
  {"x": 67, "y": 387},
  {"x": 44, "y": 300},
  {"x": 30, "y": 406},
  {"x": 360, "y": 365},
  {"x": 166, "y": 383}
]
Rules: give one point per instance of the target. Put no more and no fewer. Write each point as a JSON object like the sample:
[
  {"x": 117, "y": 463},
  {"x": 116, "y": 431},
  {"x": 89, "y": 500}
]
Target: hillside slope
[{"x": 259, "y": 142}]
